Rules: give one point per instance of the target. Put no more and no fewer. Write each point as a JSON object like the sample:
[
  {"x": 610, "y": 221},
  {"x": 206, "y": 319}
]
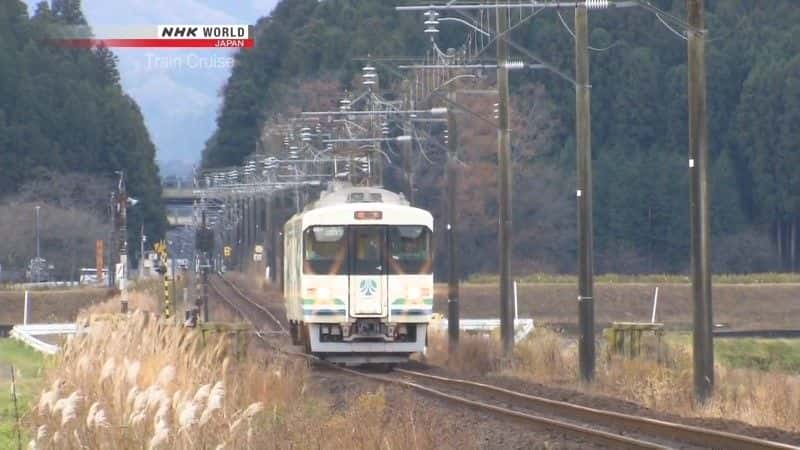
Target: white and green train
[{"x": 358, "y": 276}]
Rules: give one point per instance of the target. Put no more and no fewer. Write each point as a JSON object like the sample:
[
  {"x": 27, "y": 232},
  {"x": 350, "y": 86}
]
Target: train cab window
[
  {"x": 325, "y": 251},
  {"x": 368, "y": 250},
  {"x": 409, "y": 250}
]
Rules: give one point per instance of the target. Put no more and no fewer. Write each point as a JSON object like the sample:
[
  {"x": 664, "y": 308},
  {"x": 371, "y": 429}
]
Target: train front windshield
[{"x": 367, "y": 250}]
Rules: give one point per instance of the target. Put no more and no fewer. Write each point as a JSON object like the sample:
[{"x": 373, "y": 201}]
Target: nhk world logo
[
  {"x": 157, "y": 36},
  {"x": 368, "y": 288}
]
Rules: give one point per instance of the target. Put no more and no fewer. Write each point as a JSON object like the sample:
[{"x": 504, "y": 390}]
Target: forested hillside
[
  {"x": 63, "y": 111},
  {"x": 639, "y": 127}
]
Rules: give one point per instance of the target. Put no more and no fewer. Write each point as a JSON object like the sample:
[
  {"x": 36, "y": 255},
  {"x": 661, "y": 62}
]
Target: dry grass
[
  {"x": 665, "y": 384},
  {"x": 474, "y": 355},
  {"x": 141, "y": 383},
  {"x": 140, "y": 301}
]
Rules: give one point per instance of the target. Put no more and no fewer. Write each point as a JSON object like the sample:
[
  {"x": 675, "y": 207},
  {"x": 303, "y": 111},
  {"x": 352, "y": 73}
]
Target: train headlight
[
  {"x": 323, "y": 293},
  {"x": 414, "y": 293}
]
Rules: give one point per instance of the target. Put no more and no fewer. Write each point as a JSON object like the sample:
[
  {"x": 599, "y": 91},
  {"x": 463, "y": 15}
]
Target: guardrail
[
  {"x": 43, "y": 285},
  {"x": 28, "y": 334}
]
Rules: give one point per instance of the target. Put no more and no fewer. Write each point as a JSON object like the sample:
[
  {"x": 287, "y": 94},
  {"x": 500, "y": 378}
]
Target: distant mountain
[{"x": 176, "y": 168}]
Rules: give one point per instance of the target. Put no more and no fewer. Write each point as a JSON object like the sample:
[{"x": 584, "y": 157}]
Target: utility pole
[
  {"x": 142, "y": 240},
  {"x": 452, "y": 217},
  {"x": 504, "y": 163},
  {"x": 122, "y": 208},
  {"x": 408, "y": 167},
  {"x": 38, "y": 265},
  {"x": 583, "y": 131},
  {"x": 112, "y": 240},
  {"x": 703, "y": 342},
  {"x": 38, "y": 247}
]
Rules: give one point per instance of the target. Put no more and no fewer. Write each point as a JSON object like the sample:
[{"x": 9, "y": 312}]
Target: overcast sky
[{"x": 177, "y": 90}]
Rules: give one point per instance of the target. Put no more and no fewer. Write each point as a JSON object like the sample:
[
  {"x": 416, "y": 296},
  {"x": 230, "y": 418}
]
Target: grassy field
[
  {"x": 741, "y": 306},
  {"x": 749, "y": 278},
  {"x": 28, "y": 365},
  {"x": 48, "y": 306},
  {"x": 764, "y": 354}
]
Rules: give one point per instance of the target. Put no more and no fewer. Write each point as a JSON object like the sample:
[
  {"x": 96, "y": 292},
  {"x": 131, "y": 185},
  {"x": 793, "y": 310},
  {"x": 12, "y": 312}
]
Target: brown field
[
  {"x": 741, "y": 306},
  {"x": 48, "y": 305}
]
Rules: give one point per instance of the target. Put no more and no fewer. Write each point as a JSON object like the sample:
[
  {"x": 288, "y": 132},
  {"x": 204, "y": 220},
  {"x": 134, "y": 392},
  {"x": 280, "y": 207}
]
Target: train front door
[{"x": 368, "y": 274}]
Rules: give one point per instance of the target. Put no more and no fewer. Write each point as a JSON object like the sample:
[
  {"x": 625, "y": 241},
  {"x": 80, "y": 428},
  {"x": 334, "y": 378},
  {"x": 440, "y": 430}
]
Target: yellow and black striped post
[{"x": 166, "y": 296}]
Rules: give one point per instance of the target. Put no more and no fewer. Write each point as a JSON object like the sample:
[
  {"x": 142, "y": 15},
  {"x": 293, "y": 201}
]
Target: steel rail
[
  {"x": 687, "y": 434},
  {"x": 281, "y": 329}
]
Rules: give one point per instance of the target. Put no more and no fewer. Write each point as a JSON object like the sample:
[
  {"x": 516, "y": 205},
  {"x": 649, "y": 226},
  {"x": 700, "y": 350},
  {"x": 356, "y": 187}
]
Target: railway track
[
  {"x": 610, "y": 428},
  {"x": 226, "y": 290}
]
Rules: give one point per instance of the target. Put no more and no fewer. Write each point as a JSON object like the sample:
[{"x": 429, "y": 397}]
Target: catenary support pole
[
  {"x": 583, "y": 130},
  {"x": 451, "y": 228},
  {"x": 268, "y": 239},
  {"x": 26, "y": 311},
  {"x": 703, "y": 344},
  {"x": 122, "y": 199},
  {"x": 504, "y": 167},
  {"x": 408, "y": 166}
]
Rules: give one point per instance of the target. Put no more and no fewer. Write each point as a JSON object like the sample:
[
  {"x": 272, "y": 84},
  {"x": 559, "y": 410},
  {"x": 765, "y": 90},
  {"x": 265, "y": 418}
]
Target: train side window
[
  {"x": 325, "y": 251},
  {"x": 410, "y": 250}
]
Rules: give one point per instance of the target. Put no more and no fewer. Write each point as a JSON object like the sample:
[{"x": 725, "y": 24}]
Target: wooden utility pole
[
  {"x": 452, "y": 218},
  {"x": 504, "y": 179},
  {"x": 703, "y": 342},
  {"x": 583, "y": 131}
]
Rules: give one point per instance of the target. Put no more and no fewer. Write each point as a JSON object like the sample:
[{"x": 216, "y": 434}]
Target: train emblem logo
[{"x": 367, "y": 288}]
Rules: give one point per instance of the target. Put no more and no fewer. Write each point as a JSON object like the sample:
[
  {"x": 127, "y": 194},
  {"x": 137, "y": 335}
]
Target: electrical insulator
[
  {"x": 431, "y": 25},
  {"x": 596, "y": 4},
  {"x": 514, "y": 65}
]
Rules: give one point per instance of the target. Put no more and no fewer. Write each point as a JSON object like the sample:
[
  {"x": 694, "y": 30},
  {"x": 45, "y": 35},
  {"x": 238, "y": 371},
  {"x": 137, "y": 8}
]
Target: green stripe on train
[
  {"x": 403, "y": 301},
  {"x": 310, "y": 301}
]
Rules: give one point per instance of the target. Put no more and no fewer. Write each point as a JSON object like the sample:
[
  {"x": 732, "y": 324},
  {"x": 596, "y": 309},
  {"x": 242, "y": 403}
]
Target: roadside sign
[
  {"x": 226, "y": 251},
  {"x": 259, "y": 249}
]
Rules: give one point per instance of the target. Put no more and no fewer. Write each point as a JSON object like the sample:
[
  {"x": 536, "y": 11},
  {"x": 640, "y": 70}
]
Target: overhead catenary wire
[
  {"x": 571, "y": 33},
  {"x": 673, "y": 30}
]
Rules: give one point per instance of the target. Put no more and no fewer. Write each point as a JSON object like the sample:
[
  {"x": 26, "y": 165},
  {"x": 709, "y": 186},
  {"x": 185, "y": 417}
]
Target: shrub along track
[{"x": 609, "y": 428}]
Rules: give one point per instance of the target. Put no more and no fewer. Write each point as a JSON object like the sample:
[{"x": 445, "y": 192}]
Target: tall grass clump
[
  {"x": 544, "y": 356},
  {"x": 661, "y": 379},
  {"x": 474, "y": 355},
  {"x": 142, "y": 383}
]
